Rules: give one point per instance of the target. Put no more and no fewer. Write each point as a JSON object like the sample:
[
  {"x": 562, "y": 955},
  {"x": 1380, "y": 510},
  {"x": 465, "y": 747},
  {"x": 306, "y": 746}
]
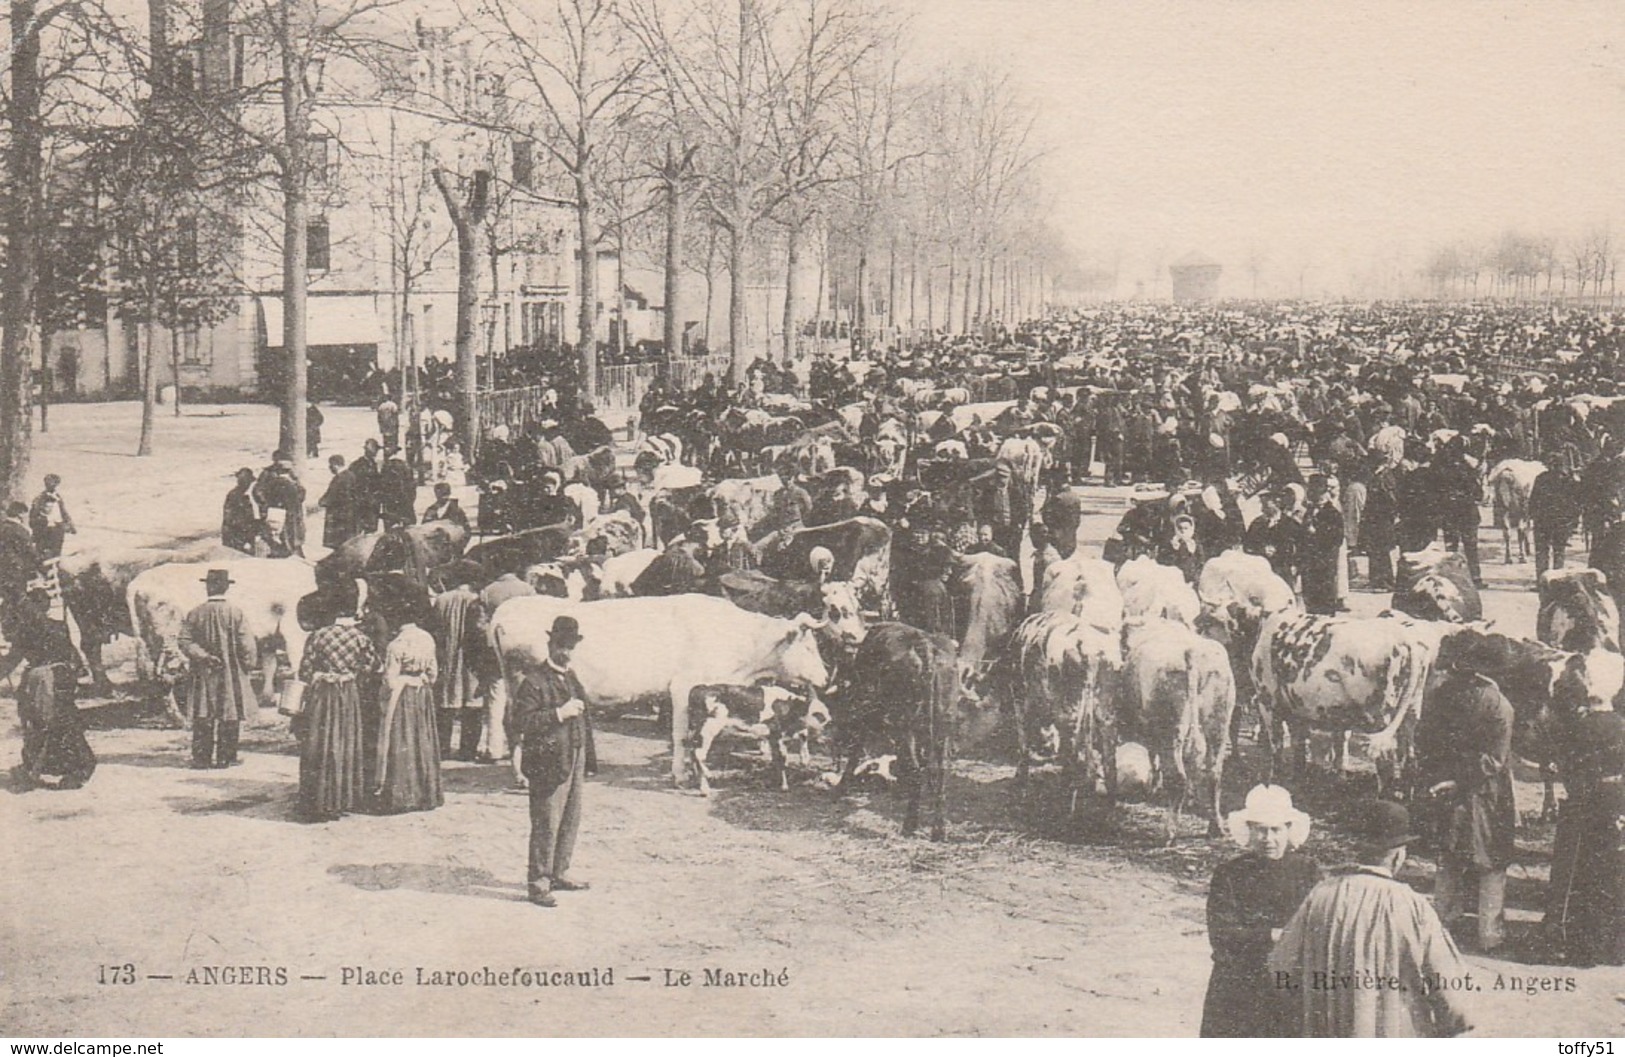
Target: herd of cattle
[{"x": 1102, "y": 656}]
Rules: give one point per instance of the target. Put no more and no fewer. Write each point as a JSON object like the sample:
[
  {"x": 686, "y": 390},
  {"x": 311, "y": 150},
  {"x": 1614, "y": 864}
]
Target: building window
[
  {"x": 239, "y": 59},
  {"x": 185, "y": 73},
  {"x": 524, "y": 163},
  {"x": 324, "y": 159},
  {"x": 195, "y": 352},
  {"x": 318, "y": 249},
  {"x": 186, "y": 244}
]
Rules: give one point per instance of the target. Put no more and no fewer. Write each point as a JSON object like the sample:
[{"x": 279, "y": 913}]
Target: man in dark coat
[
  {"x": 1275, "y": 536},
  {"x": 1322, "y": 545},
  {"x": 1456, "y": 491},
  {"x": 444, "y": 507},
  {"x": 1556, "y": 504},
  {"x": 365, "y": 490},
  {"x": 550, "y": 718},
  {"x": 398, "y": 493},
  {"x": 1377, "y": 523},
  {"x": 1464, "y": 744},
  {"x": 53, "y": 733},
  {"x": 338, "y": 526},
  {"x": 49, "y": 520},
  {"x": 19, "y": 562},
  {"x": 220, "y": 656},
  {"x": 282, "y": 497},
  {"x": 240, "y": 517}
]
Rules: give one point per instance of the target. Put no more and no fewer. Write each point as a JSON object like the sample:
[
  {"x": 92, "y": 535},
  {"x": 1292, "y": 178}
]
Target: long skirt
[
  {"x": 330, "y": 760},
  {"x": 53, "y": 733},
  {"x": 409, "y": 767}
]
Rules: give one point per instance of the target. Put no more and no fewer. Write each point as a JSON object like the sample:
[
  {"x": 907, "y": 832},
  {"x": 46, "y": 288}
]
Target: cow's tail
[{"x": 1403, "y": 701}]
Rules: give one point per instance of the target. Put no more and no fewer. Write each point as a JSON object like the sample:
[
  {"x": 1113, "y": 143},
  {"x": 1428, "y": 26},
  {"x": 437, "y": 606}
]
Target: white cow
[
  {"x": 1084, "y": 587},
  {"x": 267, "y": 590},
  {"x": 1151, "y": 589},
  {"x": 1509, "y": 485},
  {"x": 1178, "y": 695},
  {"x": 616, "y": 576},
  {"x": 634, "y": 649}
]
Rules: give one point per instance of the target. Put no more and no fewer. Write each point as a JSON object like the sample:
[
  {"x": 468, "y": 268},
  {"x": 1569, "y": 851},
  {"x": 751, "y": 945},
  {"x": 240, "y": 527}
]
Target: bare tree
[
  {"x": 65, "y": 59},
  {"x": 575, "y": 68}
]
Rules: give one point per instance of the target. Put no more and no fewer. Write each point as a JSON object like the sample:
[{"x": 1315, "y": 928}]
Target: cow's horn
[{"x": 808, "y": 622}]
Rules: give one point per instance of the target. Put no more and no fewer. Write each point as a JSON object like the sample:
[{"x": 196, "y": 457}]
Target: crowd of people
[{"x": 1311, "y": 436}]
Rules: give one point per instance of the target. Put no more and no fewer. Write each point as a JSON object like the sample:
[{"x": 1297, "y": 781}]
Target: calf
[{"x": 771, "y": 714}]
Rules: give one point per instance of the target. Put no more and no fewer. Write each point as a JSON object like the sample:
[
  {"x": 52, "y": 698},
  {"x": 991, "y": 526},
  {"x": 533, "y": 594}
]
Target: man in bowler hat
[
  {"x": 221, "y": 656},
  {"x": 550, "y": 716}
]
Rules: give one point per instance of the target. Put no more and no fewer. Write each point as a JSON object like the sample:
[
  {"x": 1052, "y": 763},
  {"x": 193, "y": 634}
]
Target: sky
[{"x": 1315, "y": 137}]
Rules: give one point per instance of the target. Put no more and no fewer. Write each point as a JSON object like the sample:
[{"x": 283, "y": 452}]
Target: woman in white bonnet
[{"x": 1249, "y": 902}]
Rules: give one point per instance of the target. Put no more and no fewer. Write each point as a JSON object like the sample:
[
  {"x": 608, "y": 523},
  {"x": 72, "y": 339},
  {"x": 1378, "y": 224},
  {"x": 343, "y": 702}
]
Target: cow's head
[
  {"x": 843, "y": 615},
  {"x": 799, "y": 660},
  {"x": 1442, "y": 596},
  {"x": 706, "y": 532}
]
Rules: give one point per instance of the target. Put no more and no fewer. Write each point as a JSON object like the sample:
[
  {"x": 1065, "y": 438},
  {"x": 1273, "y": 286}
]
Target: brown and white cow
[
  {"x": 1066, "y": 674},
  {"x": 1177, "y": 698},
  {"x": 1365, "y": 675},
  {"x": 769, "y": 714}
]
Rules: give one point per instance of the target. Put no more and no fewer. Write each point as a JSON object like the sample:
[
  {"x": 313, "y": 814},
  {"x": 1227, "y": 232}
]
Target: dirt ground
[{"x": 1020, "y": 924}]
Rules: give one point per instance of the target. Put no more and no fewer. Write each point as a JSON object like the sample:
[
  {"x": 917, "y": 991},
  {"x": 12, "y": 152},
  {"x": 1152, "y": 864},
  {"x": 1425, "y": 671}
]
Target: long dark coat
[
  {"x": 221, "y": 655},
  {"x": 1465, "y": 736},
  {"x": 1249, "y": 896}
]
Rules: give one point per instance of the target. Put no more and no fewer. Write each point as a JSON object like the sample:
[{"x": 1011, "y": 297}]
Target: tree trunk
[
  {"x": 175, "y": 366},
  {"x": 295, "y": 235},
  {"x": 587, "y": 288},
  {"x": 672, "y": 331},
  {"x": 620, "y": 295},
  {"x": 953, "y": 283},
  {"x": 18, "y": 327},
  {"x": 891, "y": 285},
  {"x": 149, "y": 381},
  {"x": 792, "y": 267},
  {"x": 710, "y": 286},
  {"x": 860, "y": 303},
  {"x": 913, "y": 291},
  {"x": 468, "y": 220},
  {"x": 964, "y": 304},
  {"x": 739, "y": 357}
]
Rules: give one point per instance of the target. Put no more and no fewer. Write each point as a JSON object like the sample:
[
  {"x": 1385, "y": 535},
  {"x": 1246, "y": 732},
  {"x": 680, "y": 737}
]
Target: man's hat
[
  {"x": 244, "y": 472},
  {"x": 217, "y": 580},
  {"x": 281, "y": 455},
  {"x": 1383, "y": 824},
  {"x": 566, "y": 631}
]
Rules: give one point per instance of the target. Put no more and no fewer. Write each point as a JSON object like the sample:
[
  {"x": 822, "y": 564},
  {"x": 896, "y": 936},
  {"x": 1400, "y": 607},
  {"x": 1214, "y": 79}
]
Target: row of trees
[
  {"x": 1520, "y": 265},
  {"x": 138, "y": 158}
]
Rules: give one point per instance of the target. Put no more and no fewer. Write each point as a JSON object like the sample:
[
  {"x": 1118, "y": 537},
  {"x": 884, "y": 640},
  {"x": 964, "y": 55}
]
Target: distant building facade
[
  {"x": 1195, "y": 277},
  {"x": 382, "y": 249}
]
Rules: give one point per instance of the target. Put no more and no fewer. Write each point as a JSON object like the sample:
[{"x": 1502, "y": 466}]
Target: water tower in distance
[{"x": 1195, "y": 277}]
